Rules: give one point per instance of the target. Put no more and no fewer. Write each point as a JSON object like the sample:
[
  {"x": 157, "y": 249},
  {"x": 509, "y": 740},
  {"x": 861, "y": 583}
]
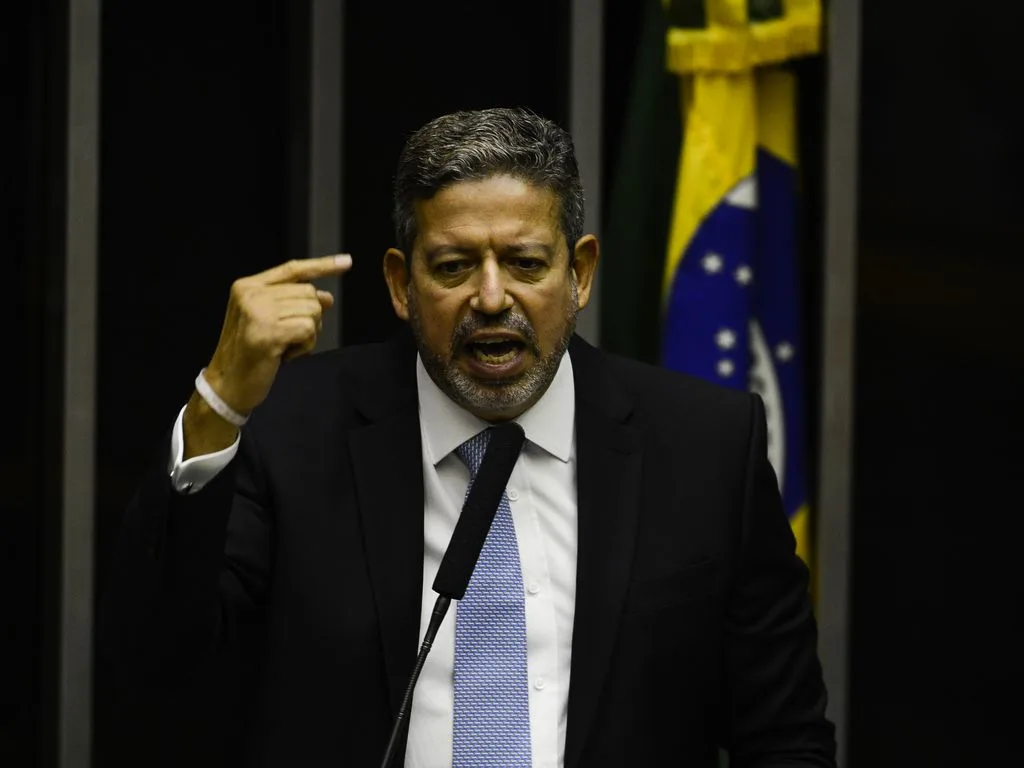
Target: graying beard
[{"x": 463, "y": 390}]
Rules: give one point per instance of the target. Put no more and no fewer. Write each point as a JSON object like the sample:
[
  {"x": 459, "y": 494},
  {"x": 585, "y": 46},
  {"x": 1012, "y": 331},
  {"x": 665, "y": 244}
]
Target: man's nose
[{"x": 491, "y": 297}]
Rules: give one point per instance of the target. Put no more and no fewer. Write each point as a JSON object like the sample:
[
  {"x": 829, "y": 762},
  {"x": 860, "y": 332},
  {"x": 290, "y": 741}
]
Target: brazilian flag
[{"x": 731, "y": 296}]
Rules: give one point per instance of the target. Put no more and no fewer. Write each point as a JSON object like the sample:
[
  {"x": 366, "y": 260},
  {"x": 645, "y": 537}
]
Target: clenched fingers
[{"x": 299, "y": 308}]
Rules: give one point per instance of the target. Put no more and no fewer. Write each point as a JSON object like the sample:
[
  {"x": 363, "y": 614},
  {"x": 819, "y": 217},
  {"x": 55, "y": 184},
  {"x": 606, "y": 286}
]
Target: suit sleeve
[
  {"x": 775, "y": 692},
  {"x": 185, "y": 569}
]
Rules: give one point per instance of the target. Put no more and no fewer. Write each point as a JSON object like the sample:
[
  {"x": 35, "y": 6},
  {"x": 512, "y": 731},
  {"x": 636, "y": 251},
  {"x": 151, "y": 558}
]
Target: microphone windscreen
[{"x": 503, "y": 448}]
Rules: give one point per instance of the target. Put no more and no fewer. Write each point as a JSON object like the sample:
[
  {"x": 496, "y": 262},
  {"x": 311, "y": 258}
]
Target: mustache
[{"x": 508, "y": 321}]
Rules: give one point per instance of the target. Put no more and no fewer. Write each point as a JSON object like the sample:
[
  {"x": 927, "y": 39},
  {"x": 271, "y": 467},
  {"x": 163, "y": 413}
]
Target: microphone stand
[{"x": 440, "y": 609}]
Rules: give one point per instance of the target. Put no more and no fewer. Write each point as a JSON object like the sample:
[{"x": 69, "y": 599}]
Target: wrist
[
  {"x": 204, "y": 430},
  {"x": 228, "y": 395}
]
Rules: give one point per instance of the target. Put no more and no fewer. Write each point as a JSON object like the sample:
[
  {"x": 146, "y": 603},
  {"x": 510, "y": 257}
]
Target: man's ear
[
  {"x": 584, "y": 265},
  {"x": 396, "y": 274}
]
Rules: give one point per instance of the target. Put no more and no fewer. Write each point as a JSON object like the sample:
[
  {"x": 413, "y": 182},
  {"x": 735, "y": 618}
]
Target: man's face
[{"x": 489, "y": 292}]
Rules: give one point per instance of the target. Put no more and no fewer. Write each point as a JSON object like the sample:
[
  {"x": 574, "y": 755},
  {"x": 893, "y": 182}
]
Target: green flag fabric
[{"x": 640, "y": 204}]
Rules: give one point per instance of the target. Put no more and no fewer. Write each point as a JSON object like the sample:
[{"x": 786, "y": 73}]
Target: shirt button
[
  {"x": 533, "y": 587},
  {"x": 539, "y": 683},
  {"x": 513, "y": 494}
]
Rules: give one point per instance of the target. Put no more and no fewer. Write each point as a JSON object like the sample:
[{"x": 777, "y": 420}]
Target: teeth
[{"x": 493, "y": 359}]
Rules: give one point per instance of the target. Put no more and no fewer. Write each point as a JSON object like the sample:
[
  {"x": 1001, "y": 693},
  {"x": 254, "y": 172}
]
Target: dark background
[
  {"x": 938, "y": 595},
  {"x": 203, "y": 130},
  {"x": 33, "y": 85}
]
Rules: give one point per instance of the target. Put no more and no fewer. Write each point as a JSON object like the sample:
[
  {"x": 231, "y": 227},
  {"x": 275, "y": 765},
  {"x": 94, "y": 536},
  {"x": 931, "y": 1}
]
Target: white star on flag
[
  {"x": 725, "y": 368},
  {"x": 784, "y": 351},
  {"x": 744, "y": 274},
  {"x": 725, "y": 339},
  {"x": 712, "y": 263}
]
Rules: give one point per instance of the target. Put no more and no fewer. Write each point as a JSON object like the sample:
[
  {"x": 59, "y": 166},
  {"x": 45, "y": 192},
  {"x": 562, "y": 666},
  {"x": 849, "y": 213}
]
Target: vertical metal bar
[
  {"x": 325, "y": 136},
  {"x": 78, "y": 506},
  {"x": 585, "y": 120},
  {"x": 835, "y": 514}
]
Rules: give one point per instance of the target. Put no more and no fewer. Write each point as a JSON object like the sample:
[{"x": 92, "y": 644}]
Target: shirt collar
[{"x": 548, "y": 424}]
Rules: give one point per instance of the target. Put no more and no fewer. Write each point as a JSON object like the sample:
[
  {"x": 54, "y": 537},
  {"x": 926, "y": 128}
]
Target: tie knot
[{"x": 472, "y": 451}]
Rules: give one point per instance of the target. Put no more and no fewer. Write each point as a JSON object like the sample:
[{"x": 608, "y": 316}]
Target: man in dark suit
[{"x": 638, "y": 601}]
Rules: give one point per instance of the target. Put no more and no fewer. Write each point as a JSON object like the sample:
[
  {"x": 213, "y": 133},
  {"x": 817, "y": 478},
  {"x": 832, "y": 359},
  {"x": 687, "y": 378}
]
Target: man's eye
[
  {"x": 451, "y": 267},
  {"x": 527, "y": 265}
]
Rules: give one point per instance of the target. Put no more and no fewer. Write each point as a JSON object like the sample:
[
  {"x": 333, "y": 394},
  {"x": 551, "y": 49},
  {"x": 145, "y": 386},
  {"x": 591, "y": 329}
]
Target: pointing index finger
[{"x": 304, "y": 270}]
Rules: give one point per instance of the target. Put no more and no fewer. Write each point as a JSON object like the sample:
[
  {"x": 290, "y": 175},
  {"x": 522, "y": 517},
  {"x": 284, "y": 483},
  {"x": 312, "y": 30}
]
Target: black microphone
[{"x": 503, "y": 448}]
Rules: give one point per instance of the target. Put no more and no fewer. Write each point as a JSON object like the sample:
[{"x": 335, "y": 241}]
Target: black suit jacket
[{"x": 693, "y": 626}]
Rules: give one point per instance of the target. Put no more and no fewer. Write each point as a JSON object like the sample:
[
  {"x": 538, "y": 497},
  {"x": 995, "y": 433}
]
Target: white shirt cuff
[{"x": 190, "y": 476}]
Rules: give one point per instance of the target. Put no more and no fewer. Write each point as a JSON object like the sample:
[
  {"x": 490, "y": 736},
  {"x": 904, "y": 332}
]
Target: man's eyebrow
[
  {"x": 518, "y": 249},
  {"x": 513, "y": 249},
  {"x": 444, "y": 250}
]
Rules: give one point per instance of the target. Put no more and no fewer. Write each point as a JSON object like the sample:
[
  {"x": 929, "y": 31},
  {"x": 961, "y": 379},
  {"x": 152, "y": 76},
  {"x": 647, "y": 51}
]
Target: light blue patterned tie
[{"x": 492, "y": 710}]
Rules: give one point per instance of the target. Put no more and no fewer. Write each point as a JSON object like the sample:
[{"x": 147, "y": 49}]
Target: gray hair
[{"x": 471, "y": 145}]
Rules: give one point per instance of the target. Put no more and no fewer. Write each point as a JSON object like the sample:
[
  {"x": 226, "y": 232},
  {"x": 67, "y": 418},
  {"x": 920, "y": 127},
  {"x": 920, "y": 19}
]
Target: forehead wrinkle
[
  {"x": 500, "y": 212},
  {"x": 521, "y": 236}
]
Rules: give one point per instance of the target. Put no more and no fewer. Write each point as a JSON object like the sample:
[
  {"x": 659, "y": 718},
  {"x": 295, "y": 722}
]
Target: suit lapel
[
  {"x": 609, "y": 465},
  {"x": 388, "y": 469}
]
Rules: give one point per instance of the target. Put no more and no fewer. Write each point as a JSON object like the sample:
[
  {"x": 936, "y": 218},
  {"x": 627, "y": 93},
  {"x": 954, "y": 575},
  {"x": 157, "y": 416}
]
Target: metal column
[
  {"x": 75, "y": 647},
  {"x": 325, "y": 136},
  {"x": 586, "y": 82},
  {"x": 835, "y": 512}
]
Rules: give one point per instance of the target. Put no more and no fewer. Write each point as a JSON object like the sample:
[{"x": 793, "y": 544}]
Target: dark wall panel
[
  {"x": 407, "y": 64},
  {"x": 938, "y": 597},
  {"x": 196, "y": 129},
  {"x": 32, "y": 184}
]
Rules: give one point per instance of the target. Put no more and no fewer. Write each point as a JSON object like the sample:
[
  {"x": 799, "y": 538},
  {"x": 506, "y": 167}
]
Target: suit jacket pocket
[{"x": 688, "y": 583}]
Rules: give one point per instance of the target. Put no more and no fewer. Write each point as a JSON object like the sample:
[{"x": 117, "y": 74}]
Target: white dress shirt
[{"x": 542, "y": 495}]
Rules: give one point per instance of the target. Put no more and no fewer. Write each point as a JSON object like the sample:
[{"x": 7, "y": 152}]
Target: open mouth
[
  {"x": 495, "y": 359},
  {"x": 494, "y": 351}
]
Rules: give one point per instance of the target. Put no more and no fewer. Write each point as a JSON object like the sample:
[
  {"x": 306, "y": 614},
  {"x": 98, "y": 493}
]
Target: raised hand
[{"x": 271, "y": 317}]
